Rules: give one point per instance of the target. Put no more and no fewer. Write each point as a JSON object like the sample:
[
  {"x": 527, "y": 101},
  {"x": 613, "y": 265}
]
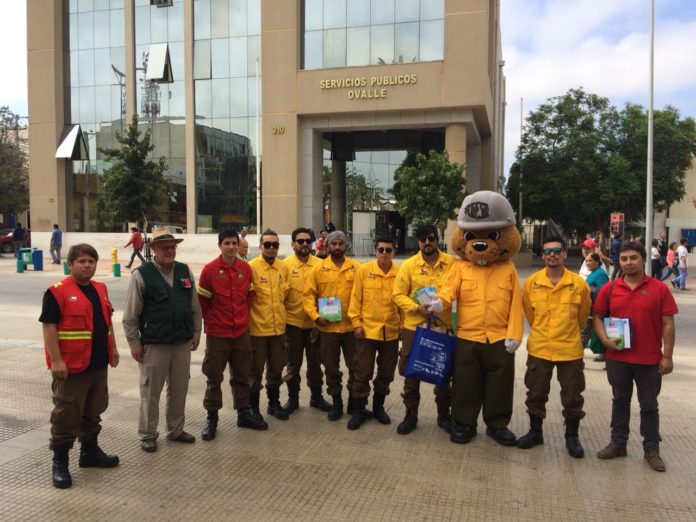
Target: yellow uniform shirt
[
  {"x": 267, "y": 313},
  {"x": 371, "y": 305},
  {"x": 489, "y": 301},
  {"x": 327, "y": 280},
  {"x": 556, "y": 314},
  {"x": 297, "y": 272},
  {"x": 416, "y": 273}
]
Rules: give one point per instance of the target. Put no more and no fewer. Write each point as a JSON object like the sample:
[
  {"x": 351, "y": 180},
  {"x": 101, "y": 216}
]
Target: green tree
[
  {"x": 14, "y": 177},
  {"x": 134, "y": 185},
  {"x": 429, "y": 188},
  {"x": 362, "y": 193}
]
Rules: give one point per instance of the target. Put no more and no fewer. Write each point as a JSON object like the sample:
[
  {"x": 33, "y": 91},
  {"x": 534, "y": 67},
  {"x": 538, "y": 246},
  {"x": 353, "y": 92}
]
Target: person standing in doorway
[{"x": 56, "y": 244}]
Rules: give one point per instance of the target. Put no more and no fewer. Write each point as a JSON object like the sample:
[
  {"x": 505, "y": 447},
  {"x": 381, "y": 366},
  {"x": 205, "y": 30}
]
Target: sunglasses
[
  {"x": 382, "y": 250},
  {"x": 303, "y": 241},
  {"x": 432, "y": 239},
  {"x": 549, "y": 251},
  {"x": 271, "y": 244}
]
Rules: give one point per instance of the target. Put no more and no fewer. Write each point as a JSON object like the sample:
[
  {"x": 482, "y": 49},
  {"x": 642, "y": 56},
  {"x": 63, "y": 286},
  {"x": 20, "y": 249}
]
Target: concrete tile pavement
[{"x": 309, "y": 468}]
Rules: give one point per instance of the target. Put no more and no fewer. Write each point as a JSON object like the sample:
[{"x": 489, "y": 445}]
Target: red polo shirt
[
  {"x": 644, "y": 306},
  {"x": 224, "y": 294}
]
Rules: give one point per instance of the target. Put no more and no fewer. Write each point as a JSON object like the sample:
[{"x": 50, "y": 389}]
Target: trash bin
[
  {"x": 116, "y": 267},
  {"x": 25, "y": 255},
  {"x": 20, "y": 266},
  {"x": 37, "y": 259},
  {"x": 66, "y": 270}
]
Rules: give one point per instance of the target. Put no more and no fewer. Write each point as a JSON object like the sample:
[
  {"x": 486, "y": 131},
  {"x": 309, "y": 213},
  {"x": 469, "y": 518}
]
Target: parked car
[{"x": 6, "y": 244}]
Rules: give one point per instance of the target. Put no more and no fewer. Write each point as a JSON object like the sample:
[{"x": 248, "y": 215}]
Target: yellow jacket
[
  {"x": 556, "y": 315},
  {"x": 371, "y": 305},
  {"x": 327, "y": 280},
  {"x": 267, "y": 313},
  {"x": 416, "y": 273},
  {"x": 297, "y": 272},
  {"x": 489, "y": 301}
]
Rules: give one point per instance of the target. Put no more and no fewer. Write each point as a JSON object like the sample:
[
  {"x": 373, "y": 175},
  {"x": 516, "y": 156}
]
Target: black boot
[
  {"x": 250, "y": 418},
  {"x": 61, "y": 473},
  {"x": 293, "y": 397},
  {"x": 378, "y": 411},
  {"x": 336, "y": 411},
  {"x": 444, "y": 420},
  {"x": 317, "y": 400},
  {"x": 210, "y": 428},
  {"x": 92, "y": 456},
  {"x": 351, "y": 407},
  {"x": 254, "y": 399},
  {"x": 461, "y": 433},
  {"x": 359, "y": 414},
  {"x": 274, "y": 407},
  {"x": 573, "y": 445},
  {"x": 535, "y": 435},
  {"x": 409, "y": 423}
]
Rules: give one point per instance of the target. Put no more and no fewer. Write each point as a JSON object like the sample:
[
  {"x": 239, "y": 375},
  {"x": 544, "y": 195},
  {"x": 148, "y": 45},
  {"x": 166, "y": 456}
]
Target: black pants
[
  {"x": 136, "y": 252},
  {"x": 648, "y": 381}
]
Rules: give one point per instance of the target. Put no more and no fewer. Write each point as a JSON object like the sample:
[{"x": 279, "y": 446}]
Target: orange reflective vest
[{"x": 76, "y": 323}]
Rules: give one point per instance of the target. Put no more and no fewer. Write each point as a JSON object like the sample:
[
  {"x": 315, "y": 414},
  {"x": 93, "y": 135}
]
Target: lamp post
[{"x": 649, "y": 175}]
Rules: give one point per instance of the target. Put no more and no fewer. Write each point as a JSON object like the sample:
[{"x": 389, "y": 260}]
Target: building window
[
  {"x": 339, "y": 33},
  {"x": 161, "y": 3}
]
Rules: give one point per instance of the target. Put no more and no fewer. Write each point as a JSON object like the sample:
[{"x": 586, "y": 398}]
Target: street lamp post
[{"x": 649, "y": 175}]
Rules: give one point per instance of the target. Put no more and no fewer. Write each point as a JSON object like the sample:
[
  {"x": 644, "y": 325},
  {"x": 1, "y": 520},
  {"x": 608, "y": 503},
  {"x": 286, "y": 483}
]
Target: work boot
[
  {"x": 359, "y": 414},
  {"x": 317, "y": 400},
  {"x": 92, "y": 456},
  {"x": 293, "y": 397},
  {"x": 210, "y": 428},
  {"x": 254, "y": 399},
  {"x": 502, "y": 436},
  {"x": 378, "y": 409},
  {"x": 573, "y": 445},
  {"x": 336, "y": 411},
  {"x": 351, "y": 408},
  {"x": 612, "y": 451},
  {"x": 444, "y": 420},
  {"x": 409, "y": 423},
  {"x": 461, "y": 433},
  {"x": 535, "y": 434},
  {"x": 274, "y": 407},
  {"x": 249, "y": 418},
  {"x": 61, "y": 473},
  {"x": 652, "y": 457}
]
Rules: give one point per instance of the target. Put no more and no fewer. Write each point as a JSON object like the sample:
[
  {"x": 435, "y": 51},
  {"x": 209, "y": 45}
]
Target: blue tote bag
[{"x": 431, "y": 355}]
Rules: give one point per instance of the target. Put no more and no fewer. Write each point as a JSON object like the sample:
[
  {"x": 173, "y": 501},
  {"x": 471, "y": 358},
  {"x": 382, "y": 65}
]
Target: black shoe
[
  {"x": 248, "y": 418},
  {"x": 461, "y": 433},
  {"x": 409, "y": 423},
  {"x": 535, "y": 435},
  {"x": 92, "y": 456},
  {"x": 502, "y": 436},
  {"x": 61, "y": 473},
  {"x": 317, "y": 400},
  {"x": 210, "y": 428},
  {"x": 359, "y": 415},
  {"x": 149, "y": 445},
  {"x": 293, "y": 398},
  {"x": 274, "y": 407},
  {"x": 444, "y": 421},
  {"x": 184, "y": 437},
  {"x": 336, "y": 411},
  {"x": 378, "y": 411},
  {"x": 351, "y": 406},
  {"x": 573, "y": 445}
]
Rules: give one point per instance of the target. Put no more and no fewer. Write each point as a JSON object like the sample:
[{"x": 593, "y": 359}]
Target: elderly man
[
  {"x": 327, "y": 291},
  {"x": 162, "y": 321}
]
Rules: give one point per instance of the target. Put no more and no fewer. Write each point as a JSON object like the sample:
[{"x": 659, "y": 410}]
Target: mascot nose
[{"x": 480, "y": 246}]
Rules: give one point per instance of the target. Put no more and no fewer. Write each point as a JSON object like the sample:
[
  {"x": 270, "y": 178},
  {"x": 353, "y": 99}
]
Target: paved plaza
[{"x": 310, "y": 469}]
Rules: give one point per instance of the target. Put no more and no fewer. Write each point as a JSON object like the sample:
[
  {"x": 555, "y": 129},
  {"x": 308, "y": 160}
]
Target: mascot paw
[
  {"x": 435, "y": 306},
  {"x": 511, "y": 345}
]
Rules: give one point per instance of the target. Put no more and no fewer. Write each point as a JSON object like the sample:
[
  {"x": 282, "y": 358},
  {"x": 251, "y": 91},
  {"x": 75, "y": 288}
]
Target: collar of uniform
[
  {"x": 375, "y": 269},
  {"x": 565, "y": 280},
  {"x": 347, "y": 264},
  {"x": 225, "y": 266},
  {"x": 646, "y": 280},
  {"x": 440, "y": 259}
]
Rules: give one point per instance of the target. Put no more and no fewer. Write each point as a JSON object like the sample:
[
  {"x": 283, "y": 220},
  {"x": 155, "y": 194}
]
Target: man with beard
[
  {"x": 427, "y": 268},
  {"x": 650, "y": 308},
  {"x": 267, "y": 324},
  {"x": 300, "y": 336},
  {"x": 331, "y": 282}
]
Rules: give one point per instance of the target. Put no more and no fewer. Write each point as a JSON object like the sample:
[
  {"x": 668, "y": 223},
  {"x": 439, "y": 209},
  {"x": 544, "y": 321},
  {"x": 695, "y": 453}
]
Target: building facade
[{"x": 230, "y": 89}]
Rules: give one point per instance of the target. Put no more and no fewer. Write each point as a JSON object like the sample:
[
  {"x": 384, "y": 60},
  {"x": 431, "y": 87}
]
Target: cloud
[{"x": 13, "y": 64}]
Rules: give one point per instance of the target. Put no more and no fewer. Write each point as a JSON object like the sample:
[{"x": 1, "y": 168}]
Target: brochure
[
  {"x": 424, "y": 295},
  {"x": 330, "y": 308},
  {"x": 620, "y": 330}
]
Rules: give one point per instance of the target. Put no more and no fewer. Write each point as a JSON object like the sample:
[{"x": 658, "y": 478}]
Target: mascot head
[{"x": 486, "y": 232}]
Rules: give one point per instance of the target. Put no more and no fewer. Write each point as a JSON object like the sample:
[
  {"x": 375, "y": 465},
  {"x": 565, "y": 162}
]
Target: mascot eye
[
  {"x": 494, "y": 235},
  {"x": 469, "y": 236}
]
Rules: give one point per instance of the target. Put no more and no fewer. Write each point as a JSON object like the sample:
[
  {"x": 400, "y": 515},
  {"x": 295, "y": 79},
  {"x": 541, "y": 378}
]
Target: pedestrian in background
[
  {"x": 614, "y": 253},
  {"x": 80, "y": 345},
  {"x": 56, "y": 244},
  {"x": 672, "y": 262},
  {"x": 136, "y": 240},
  {"x": 682, "y": 252},
  {"x": 19, "y": 235}
]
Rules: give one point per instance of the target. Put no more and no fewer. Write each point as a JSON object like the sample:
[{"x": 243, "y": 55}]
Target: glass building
[{"x": 297, "y": 87}]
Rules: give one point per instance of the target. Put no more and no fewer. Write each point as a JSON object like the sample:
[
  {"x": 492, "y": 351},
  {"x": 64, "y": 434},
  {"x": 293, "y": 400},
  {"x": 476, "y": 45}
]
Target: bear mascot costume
[{"x": 490, "y": 316}]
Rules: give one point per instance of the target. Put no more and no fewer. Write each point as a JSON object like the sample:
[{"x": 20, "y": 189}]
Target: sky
[{"x": 549, "y": 46}]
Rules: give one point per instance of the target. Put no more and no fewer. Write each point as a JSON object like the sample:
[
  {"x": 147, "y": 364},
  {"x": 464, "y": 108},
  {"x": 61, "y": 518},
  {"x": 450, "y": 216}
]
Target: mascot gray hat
[{"x": 485, "y": 210}]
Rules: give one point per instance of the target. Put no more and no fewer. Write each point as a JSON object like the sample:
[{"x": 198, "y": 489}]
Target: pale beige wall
[{"x": 46, "y": 93}]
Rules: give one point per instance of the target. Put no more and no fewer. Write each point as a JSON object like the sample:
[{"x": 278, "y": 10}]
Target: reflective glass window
[
  {"x": 382, "y": 44},
  {"x": 220, "y": 95},
  {"x": 85, "y": 31},
  {"x": 73, "y": 37},
  {"x": 238, "y": 18},
  {"x": 382, "y": 12},
  {"x": 432, "y": 40},
  {"x": 432, "y": 9},
  {"x": 253, "y": 17},
  {"x": 103, "y": 74},
  {"x": 175, "y": 21},
  {"x": 116, "y": 4},
  {"x": 251, "y": 96},
  {"x": 103, "y": 108},
  {"x": 335, "y": 48},
  {"x": 87, "y": 105},
  {"x": 177, "y": 99},
  {"x": 253, "y": 53},
  {"x": 314, "y": 46},
  {"x": 85, "y": 5},
  {"x": 220, "y": 58},
  {"x": 201, "y": 20},
  {"x": 334, "y": 14},
  {"x": 238, "y": 97},
  {"x": 158, "y": 25},
  {"x": 85, "y": 68},
  {"x": 117, "y": 28},
  {"x": 314, "y": 15},
  {"x": 238, "y": 57},
  {"x": 201, "y": 59},
  {"x": 100, "y": 5},
  {"x": 102, "y": 27},
  {"x": 204, "y": 107},
  {"x": 142, "y": 25},
  {"x": 358, "y": 46},
  {"x": 407, "y": 10},
  {"x": 219, "y": 18},
  {"x": 358, "y": 13},
  {"x": 406, "y": 42},
  {"x": 74, "y": 68}
]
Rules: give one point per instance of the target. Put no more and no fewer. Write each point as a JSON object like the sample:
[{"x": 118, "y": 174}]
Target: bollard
[
  {"x": 116, "y": 269},
  {"x": 114, "y": 260},
  {"x": 66, "y": 270},
  {"x": 20, "y": 266}
]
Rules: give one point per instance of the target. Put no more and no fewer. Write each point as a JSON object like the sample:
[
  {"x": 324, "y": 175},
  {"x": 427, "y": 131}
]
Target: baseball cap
[{"x": 589, "y": 243}]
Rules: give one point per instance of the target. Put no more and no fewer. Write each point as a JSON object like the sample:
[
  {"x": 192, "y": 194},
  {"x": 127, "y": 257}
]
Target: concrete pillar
[
  {"x": 338, "y": 194},
  {"x": 455, "y": 145},
  {"x": 190, "y": 135},
  {"x": 130, "y": 79}
]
